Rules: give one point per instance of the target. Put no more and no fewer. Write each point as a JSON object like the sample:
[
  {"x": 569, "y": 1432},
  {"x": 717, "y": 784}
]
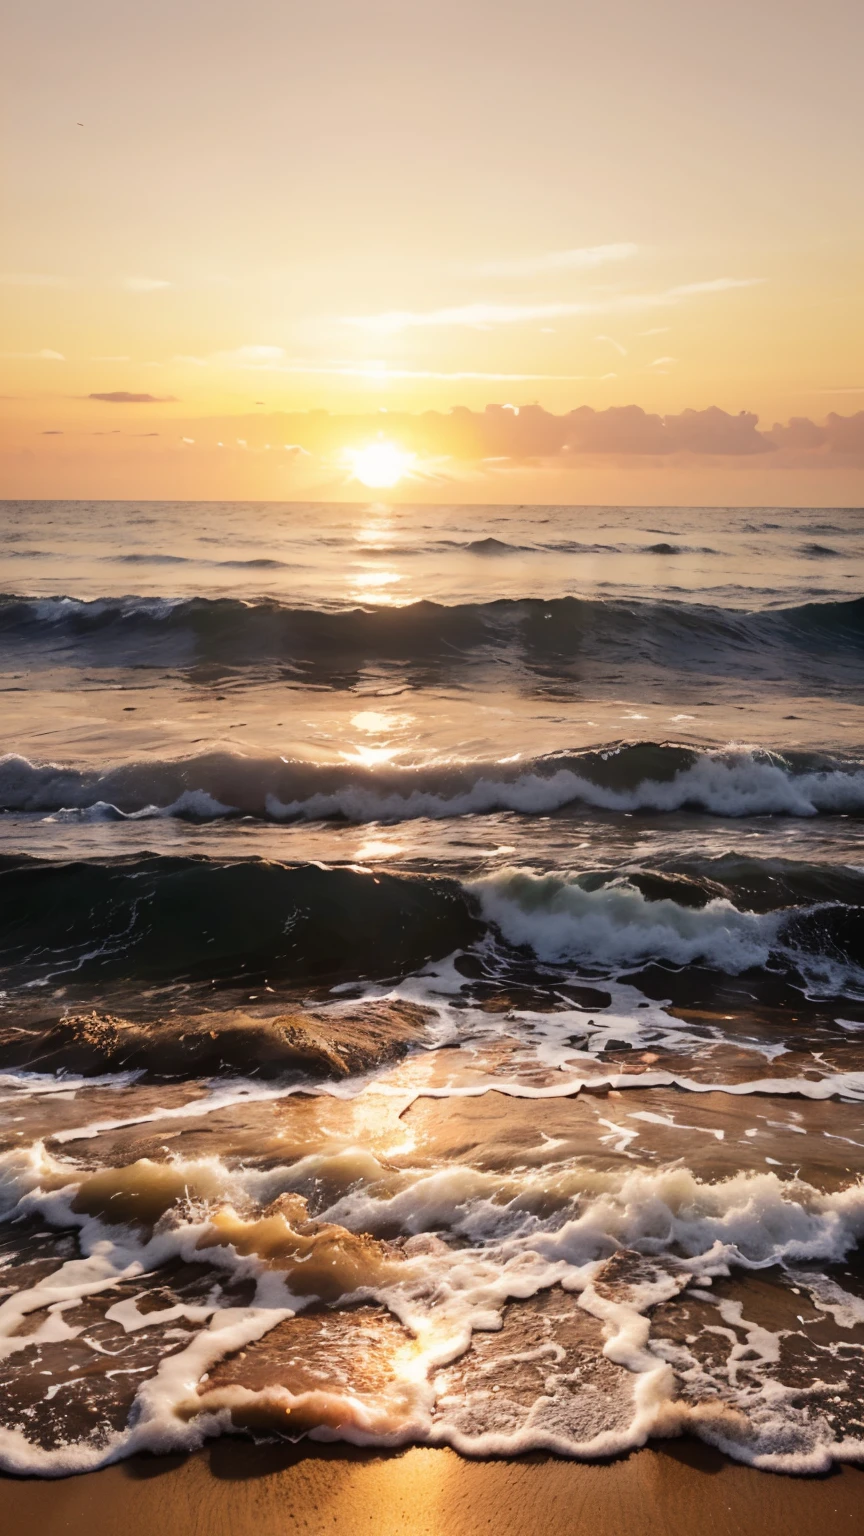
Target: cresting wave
[
  {"x": 615, "y": 927},
  {"x": 237, "y": 632},
  {"x": 157, "y": 918},
  {"x": 642, "y": 776}
]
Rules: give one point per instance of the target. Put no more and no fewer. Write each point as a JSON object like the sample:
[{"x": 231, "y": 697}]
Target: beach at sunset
[
  {"x": 431, "y": 769},
  {"x": 652, "y": 1493}
]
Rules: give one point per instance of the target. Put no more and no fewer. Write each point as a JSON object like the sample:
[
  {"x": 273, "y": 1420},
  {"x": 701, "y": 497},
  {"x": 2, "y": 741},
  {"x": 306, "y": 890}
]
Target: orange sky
[{"x": 393, "y": 208}]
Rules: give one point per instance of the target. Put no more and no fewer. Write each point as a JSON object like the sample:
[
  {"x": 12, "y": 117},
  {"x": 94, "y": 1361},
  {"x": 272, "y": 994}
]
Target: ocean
[{"x": 431, "y": 979}]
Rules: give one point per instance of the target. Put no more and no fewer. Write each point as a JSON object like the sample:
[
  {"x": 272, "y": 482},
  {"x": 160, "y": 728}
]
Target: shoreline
[{"x": 672, "y": 1488}]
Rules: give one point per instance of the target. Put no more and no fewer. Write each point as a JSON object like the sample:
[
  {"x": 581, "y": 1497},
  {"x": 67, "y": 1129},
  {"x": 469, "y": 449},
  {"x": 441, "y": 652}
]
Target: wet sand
[{"x": 677, "y": 1489}]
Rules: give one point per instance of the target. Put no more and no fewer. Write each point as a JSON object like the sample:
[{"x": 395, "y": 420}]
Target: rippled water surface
[{"x": 432, "y": 968}]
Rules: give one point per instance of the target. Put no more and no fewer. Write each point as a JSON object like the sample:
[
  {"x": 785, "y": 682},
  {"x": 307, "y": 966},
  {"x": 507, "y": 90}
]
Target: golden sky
[{"x": 220, "y": 218}]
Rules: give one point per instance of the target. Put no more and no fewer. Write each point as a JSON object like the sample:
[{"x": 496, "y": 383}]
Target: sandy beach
[{"x": 674, "y": 1490}]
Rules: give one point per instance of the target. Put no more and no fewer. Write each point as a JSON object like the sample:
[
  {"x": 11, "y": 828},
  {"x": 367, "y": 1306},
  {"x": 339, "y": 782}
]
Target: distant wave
[
  {"x": 150, "y": 558},
  {"x": 492, "y": 546},
  {"x": 648, "y": 776},
  {"x": 541, "y": 634},
  {"x": 820, "y": 552}
]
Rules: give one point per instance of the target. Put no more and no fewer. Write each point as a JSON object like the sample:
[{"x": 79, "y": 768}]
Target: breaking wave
[
  {"x": 657, "y": 777},
  {"x": 616, "y": 926},
  {"x": 156, "y": 918}
]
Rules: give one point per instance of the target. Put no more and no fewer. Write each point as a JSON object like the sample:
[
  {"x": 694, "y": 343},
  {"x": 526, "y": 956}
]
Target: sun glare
[{"x": 381, "y": 465}]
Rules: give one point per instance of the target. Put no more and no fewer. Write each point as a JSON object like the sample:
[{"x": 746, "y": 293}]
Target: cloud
[
  {"x": 124, "y": 397},
  {"x": 836, "y": 435},
  {"x": 145, "y": 284},
  {"x": 384, "y": 372},
  {"x": 251, "y": 356},
  {"x": 509, "y": 435},
  {"x": 31, "y": 280},
  {"x": 580, "y": 259},
  {"x": 52, "y": 432},
  {"x": 532, "y": 434},
  {"x": 257, "y": 356},
  {"x": 489, "y": 314},
  {"x": 46, "y": 355},
  {"x": 619, "y": 430},
  {"x": 613, "y": 343},
  {"x": 274, "y": 360}
]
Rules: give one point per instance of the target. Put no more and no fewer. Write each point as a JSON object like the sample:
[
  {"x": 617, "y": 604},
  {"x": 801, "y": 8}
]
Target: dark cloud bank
[{"x": 531, "y": 433}]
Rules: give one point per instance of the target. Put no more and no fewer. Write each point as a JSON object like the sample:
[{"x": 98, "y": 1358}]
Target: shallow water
[{"x": 432, "y": 951}]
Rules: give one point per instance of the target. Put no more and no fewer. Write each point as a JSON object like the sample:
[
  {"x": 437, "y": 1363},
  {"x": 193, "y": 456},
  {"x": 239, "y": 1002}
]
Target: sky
[{"x": 558, "y": 253}]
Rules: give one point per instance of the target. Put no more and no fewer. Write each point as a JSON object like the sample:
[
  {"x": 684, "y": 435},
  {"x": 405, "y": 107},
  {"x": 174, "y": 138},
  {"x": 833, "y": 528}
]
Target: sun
[{"x": 380, "y": 465}]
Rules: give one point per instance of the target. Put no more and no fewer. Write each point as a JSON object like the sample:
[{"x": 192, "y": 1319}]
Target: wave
[
  {"x": 465, "y": 1255},
  {"x": 165, "y": 919},
  {"x": 492, "y": 546},
  {"x": 616, "y": 927},
  {"x": 820, "y": 552},
  {"x": 542, "y": 633},
  {"x": 146, "y": 558},
  {"x": 157, "y": 918},
  {"x": 657, "y": 777}
]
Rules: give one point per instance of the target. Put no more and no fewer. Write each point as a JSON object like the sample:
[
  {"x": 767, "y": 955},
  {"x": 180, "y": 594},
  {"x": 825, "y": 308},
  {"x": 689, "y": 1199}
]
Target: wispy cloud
[
  {"x": 46, "y": 355},
  {"x": 485, "y": 314},
  {"x": 656, "y": 330},
  {"x": 32, "y": 280},
  {"x": 661, "y": 362},
  {"x": 384, "y": 372},
  {"x": 613, "y": 343},
  {"x": 256, "y": 356},
  {"x": 145, "y": 284},
  {"x": 272, "y": 359},
  {"x": 580, "y": 259},
  {"x": 126, "y": 397}
]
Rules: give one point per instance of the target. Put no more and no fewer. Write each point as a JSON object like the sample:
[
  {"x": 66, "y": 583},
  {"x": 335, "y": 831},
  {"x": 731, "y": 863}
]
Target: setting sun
[{"x": 380, "y": 465}]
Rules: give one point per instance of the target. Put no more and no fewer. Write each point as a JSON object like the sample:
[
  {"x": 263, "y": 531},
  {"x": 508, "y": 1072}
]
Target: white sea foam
[
  {"x": 616, "y": 927},
  {"x": 442, "y": 1294},
  {"x": 197, "y": 804},
  {"x": 735, "y": 781}
]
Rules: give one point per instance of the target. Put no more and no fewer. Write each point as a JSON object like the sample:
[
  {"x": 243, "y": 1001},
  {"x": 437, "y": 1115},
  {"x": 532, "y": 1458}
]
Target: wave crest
[{"x": 659, "y": 777}]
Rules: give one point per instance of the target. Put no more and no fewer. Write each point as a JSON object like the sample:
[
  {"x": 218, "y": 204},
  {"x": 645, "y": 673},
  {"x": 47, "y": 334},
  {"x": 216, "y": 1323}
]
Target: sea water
[{"x": 432, "y": 967}]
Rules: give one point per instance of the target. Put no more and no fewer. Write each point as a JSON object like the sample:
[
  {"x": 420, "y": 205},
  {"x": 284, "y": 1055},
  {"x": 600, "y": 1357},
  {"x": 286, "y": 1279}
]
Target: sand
[{"x": 678, "y": 1489}]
